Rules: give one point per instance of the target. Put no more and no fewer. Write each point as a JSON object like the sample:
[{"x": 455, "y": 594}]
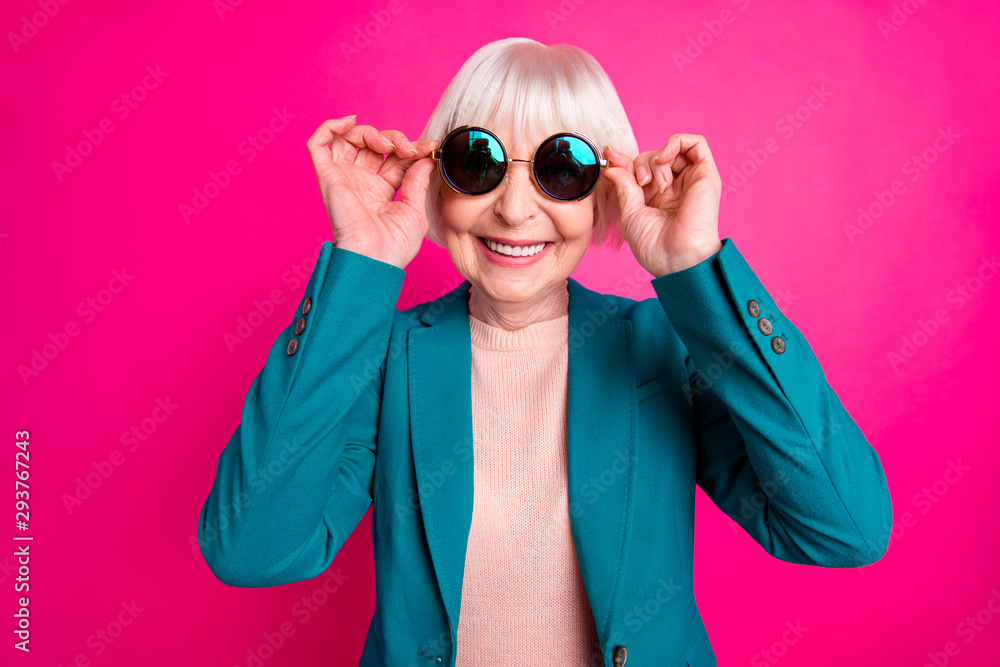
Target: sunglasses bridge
[{"x": 599, "y": 163}]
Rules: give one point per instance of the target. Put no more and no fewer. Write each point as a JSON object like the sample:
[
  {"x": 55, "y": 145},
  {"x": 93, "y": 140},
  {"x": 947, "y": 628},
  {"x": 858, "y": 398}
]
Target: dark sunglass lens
[
  {"x": 566, "y": 167},
  {"x": 473, "y": 161}
]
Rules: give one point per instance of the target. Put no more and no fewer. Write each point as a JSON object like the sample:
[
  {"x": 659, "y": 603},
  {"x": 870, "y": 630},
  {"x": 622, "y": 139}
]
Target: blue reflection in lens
[
  {"x": 566, "y": 167},
  {"x": 483, "y": 160}
]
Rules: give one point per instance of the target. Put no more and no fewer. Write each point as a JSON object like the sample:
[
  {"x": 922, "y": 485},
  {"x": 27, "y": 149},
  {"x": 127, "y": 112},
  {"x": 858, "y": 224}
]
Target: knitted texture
[{"x": 523, "y": 596}]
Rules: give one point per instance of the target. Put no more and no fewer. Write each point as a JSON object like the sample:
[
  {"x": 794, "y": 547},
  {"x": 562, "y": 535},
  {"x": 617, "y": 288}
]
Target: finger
[
  {"x": 425, "y": 148},
  {"x": 662, "y": 174},
  {"x": 621, "y": 172},
  {"x": 684, "y": 151},
  {"x": 404, "y": 147},
  {"x": 394, "y": 168},
  {"x": 320, "y": 144},
  {"x": 366, "y": 136},
  {"x": 618, "y": 159},
  {"x": 413, "y": 192},
  {"x": 693, "y": 148},
  {"x": 678, "y": 164},
  {"x": 339, "y": 138},
  {"x": 403, "y": 156},
  {"x": 643, "y": 172},
  {"x": 648, "y": 175},
  {"x": 368, "y": 159},
  {"x": 372, "y": 146}
]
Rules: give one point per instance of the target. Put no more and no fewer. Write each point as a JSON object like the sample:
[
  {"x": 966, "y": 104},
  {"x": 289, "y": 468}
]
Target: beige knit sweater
[{"x": 522, "y": 593}]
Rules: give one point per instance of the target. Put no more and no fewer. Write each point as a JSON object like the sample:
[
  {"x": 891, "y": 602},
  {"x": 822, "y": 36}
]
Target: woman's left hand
[{"x": 669, "y": 203}]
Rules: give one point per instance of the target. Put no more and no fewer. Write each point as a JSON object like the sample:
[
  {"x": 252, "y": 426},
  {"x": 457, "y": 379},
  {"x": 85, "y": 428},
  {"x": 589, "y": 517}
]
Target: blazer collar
[{"x": 602, "y": 416}]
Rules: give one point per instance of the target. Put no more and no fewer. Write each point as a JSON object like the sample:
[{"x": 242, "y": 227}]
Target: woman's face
[{"x": 518, "y": 212}]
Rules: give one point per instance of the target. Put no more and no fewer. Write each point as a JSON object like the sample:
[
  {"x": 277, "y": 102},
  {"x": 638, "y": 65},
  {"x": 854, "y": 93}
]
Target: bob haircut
[{"x": 525, "y": 86}]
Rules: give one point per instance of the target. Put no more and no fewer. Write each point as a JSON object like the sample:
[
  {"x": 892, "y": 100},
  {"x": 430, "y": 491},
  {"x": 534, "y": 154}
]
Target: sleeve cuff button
[
  {"x": 293, "y": 345},
  {"x": 778, "y": 345}
]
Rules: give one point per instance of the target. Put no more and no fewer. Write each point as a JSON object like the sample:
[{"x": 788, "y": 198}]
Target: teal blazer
[{"x": 362, "y": 405}]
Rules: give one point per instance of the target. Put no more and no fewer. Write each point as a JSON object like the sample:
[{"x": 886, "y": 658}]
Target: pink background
[{"x": 861, "y": 294}]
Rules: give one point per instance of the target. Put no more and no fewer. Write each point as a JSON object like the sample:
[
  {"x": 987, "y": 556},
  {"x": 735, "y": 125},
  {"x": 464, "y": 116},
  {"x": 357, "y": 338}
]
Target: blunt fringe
[{"x": 527, "y": 87}]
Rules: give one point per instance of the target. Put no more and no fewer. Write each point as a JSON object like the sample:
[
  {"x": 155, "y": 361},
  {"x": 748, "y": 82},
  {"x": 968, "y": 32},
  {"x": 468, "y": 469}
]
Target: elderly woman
[{"x": 529, "y": 447}]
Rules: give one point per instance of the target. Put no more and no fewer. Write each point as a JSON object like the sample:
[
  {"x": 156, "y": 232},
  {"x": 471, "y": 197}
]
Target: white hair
[{"x": 528, "y": 87}]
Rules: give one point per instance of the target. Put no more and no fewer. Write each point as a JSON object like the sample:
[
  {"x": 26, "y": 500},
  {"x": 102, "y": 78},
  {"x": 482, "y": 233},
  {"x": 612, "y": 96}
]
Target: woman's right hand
[{"x": 358, "y": 188}]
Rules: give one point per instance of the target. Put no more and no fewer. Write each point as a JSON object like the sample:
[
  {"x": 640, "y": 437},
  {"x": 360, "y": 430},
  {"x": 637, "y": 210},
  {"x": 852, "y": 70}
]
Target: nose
[{"x": 517, "y": 197}]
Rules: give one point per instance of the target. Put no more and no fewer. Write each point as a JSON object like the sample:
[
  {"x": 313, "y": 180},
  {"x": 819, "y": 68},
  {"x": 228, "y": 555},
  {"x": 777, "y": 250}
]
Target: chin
[{"x": 512, "y": 291}]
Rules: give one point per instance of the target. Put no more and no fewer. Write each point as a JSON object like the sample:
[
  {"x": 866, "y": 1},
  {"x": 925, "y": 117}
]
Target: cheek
[
  {"x": 458, "y": 213},
  {"x": 579, "y": 222}
]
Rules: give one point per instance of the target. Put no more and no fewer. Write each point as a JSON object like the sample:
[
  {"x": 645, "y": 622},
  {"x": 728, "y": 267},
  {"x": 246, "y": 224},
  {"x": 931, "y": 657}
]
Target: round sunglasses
[{"x": 473, "y": 161}]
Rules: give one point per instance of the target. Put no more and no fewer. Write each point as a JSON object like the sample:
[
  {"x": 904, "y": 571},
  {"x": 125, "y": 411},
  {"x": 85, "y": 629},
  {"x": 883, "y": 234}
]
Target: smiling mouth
[{"x": 523, "y": 250}]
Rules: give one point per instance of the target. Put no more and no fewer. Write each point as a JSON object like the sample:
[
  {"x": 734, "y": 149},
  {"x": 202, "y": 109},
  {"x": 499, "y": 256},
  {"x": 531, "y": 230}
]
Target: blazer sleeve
[
  {"x": 296, "y": 476},
  {"x": 776, "y": 450}
]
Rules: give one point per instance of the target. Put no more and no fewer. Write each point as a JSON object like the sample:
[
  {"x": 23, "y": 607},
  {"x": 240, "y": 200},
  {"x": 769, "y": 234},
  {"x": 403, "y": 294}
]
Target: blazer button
[
  {"x": 293, "y": 345},
  {"x": 620, "y": 656},
  {"x": 300, "y": 326},
  {"x": 307, "y": 305},
  {"x": 753, "y": 308},
  {"x": 778, "y": 345},
  {"x": 764, "y": 325}
]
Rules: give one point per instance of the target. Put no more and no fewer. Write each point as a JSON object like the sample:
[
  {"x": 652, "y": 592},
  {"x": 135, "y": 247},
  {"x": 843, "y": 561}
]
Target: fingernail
[{"x": 350, "y": 117}]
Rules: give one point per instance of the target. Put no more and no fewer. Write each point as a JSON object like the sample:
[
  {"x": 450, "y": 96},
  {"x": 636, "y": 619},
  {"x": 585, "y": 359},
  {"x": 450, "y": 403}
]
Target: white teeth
[{"x": 514, "y": 251}]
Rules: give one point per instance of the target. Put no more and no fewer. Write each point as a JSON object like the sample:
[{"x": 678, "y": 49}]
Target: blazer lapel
[
  {"x": 601, "y": 438},
  {"x": 602, "y": 415},
  {"x": 440, "y": 387}
]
